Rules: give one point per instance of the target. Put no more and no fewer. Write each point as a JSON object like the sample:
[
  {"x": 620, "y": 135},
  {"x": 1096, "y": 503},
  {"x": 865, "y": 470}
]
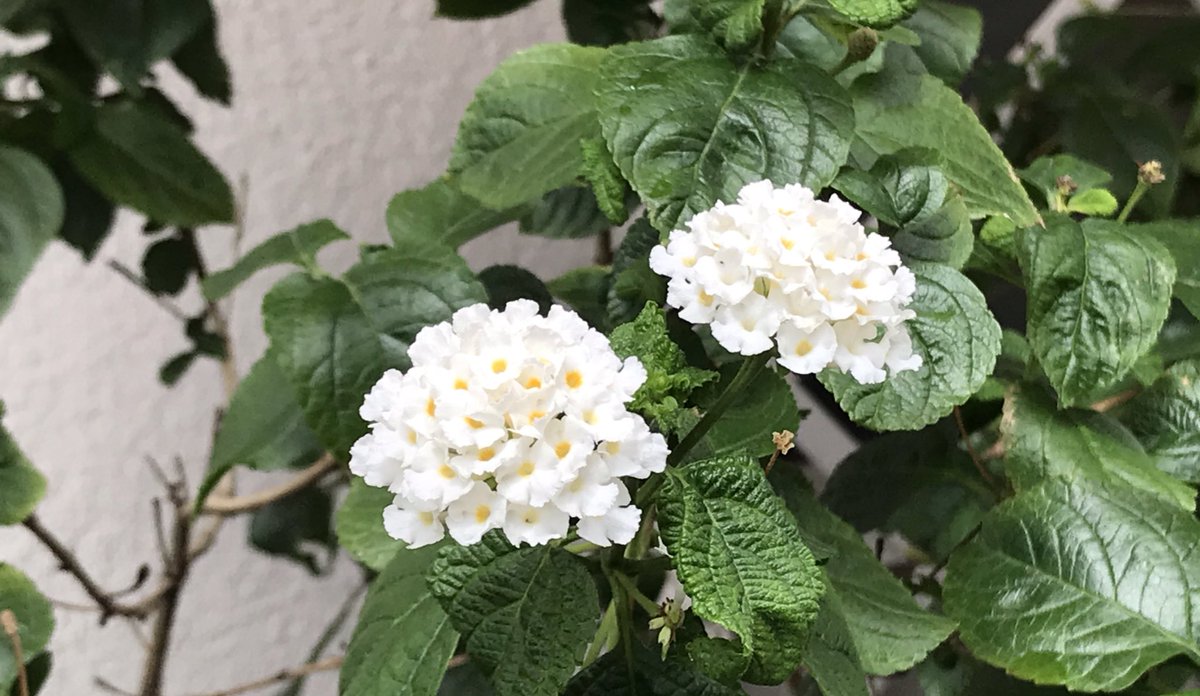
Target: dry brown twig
[{"x": 8, "y": 621}]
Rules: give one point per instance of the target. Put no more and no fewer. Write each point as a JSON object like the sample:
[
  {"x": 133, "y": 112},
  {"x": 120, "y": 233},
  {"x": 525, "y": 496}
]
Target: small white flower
[
  {"x": 480, "y": 510},
  {"x": 617, "y": 526},
  {"x": 525, "y": 524},
  {"x": 413, "y": 527}
]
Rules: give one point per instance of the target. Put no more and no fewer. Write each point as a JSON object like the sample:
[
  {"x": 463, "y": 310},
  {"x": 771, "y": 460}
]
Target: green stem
[
  {"x": 1134, "y": 199},
  {"x": 649, "y": 605},
  {"x": 606, "y": 635},
  {"x": 745, "y": 375}
]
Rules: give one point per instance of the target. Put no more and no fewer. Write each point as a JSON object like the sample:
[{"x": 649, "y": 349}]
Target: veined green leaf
[
  {"x": 359, "y": 526},
  {"x": 644, "y": 675},
  {"x": 875, "y": 13},
  {"x": 950, "y": 37},
  {"x": 441, "y": 212},
  {"x": 1166, "y": 419}
]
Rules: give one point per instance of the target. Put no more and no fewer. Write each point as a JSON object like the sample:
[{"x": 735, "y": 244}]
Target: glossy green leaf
[
  {"x": 1085, "y": 585},
  {"x": 520, "y": 136},
  {"x": 875, "y": 13},
  {"x": 1166, "y": 420},
  {"x": 1182, "y": 239},
  {"x": 669, "y": 379},
  {"x": 1096, "y": 202},
  {"x": 403, "y": 640},
  {"x": 527, "y": 614},
  {"x": 643, "y": 675},
  {"x": 35, "y": 620},
  {"x": 688, "y": 127},
  {"x": 737, "y": 555},
  {"x": 442, "y": 212},
  {"x": 359, "y": 526},
  {"x": 958, "y": 338},
  {"x": 950, "y": 38},
  {"x": 298, "y": 247},
  {"x": 1098, "y": 294},
  {"x": 934, "y": 116},
  {"x": 31, "y": 212},
  {"x": 735, "y": 24},
  {"x": 21, "y": 486}
]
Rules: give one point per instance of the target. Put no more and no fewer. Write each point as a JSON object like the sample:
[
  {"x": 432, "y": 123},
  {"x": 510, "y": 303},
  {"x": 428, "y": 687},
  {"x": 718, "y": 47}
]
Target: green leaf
[
  {"x": 126, "y": 38},
  {"x": 527, "y": 614},
  {"x": 478, "y": 9},
  {"x": 950, "y": 38},
  {"x": 958, "y": 339},
  {"x": 88, "y": 215},
  {"x": 403, "y": 640},
  {"x": 669, "y": 379},
  {"x": 35, "y": 620},
  {"x": 291, "y": 526},
  {"x": 608, "y": 187},
  {"x": 262, "y": 429},
  {"x": 31, "y": 212},
  {"x": 199, "y": 59},
  {"x": 831, "y": 658},
  {"x": 738, "y": 557},
  {"x": 735, "y": 24},
  {"x": 767, "y": 406},
  {"x": 633, "y": 284},
  {"x": 875, "y": 13},
  {"x": 21, "y": 486},
  {"x": 1043, "y": 442},
  {"x": 609, "y": 22},
  {"x": 139, "y": 159},
  {"x": 813, "y": 41},
  {"x": 359, "y": 526},
  {"x": 586, "y": 291},
  {"x": 688, "y": 128},
  {"x": 37, "y": 671},
  {"x": 1182, "y": 239},
  {"x": 520, "y": 136},
  {"x": 1166, "y": 419},
  {"x": 442, "y": 212},
  {"x": 934, "y": 116},
  {"x": 643, "y": 675},
  {"x": 889, "y": 631},
  {"x": 570, "y": 212},
  {"x": 1098, "y": 294},
  {"x": 944, "y": 237},
  {"x": 507, "y": 283},
  {"x": 168, "y": 264},
  {"x": 1081, "y": 585},
  {"x": 1095, "y": 202},
  {"x": 298, "y": 247}
]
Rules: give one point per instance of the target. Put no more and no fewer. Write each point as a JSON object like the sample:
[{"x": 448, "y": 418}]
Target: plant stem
[
  {"x": 979, "y": 465},
  {"x": 745, "y": 375},
  {"x": 216, "y": 505},
  {"x": 329, "y": 663},
  {"x": 1134, "y": 198},
  {"x": 649, "y": 605},
  {"x": 8, "y": 621},
  {"x": 605, "y": 634}
]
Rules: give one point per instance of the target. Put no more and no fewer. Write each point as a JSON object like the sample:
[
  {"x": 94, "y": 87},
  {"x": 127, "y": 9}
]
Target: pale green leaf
[
  {"x": 359, "y": 526},
  {"x": 958, "y": 339},
  {"x": 297, "y": 247},
  {"x": 1094, "y": 202},
  {"x": 1084, "y": 585},
  {"x": 35, "y": 620},
  {"x": 21, "y": 486},
  {"x": 688, "y": 127},
  {"x": 442, "y": 212},
  {"x": 31, "y": 213}
]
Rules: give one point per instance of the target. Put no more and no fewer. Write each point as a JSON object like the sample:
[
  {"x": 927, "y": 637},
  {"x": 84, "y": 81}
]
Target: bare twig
[
  {"x": 176, "y": 575},
  {"x": 324, "y": 665},
  {"x": 248, "y": 503},
  {"x": 108, "y": 687},
  {"x": 966, "y": 438},
  {"x": 8, "y": 621}
]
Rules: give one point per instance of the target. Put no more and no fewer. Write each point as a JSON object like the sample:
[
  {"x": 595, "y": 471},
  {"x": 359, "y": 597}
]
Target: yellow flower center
[
  {"x": 482, "y": 513},
  {"x": 562, "y": 449},
  {"x": 486, "y": 454},
  {"x": 526, "y": 468},
  {"x": 499, "y": 365},
  {"x": 460, "y": 383},
  {"x": 857, "y": 284},
  {"x": 574, "y": 379},
  {"x": 533, "y": 383},
  {"x": 430, "y": 407},
  {"x": 803, "y": 348},
  {"x": 475, "y": 424},
  {"x": 446, "y": 472}
]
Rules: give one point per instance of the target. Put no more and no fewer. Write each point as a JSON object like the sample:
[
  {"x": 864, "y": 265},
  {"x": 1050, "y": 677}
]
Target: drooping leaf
[
  {"x": 527, "y": 614},
  {"x": 1182, "y": 239},
  {"x": 403, "y": 640},
  {"x": 738, "y": 557},
  {"x": 1073, "y": 444},
  {"x": 645, "y": 675},
  {"x": 35, "y": 620},
  {"x": 31, "y": 212},
  {"x": 950, "y": 38},
  {"x": 958, "y": 339},
  {"x": 88, "y": 215},
  {"x": 1098, "y": 294},
  {"x": 688, "y": 127},
  {"x": 296, "y": 527},
  {"x": 359, "y": 526},
  {"x": 875, "y": 13},
  {"x": 669, "y": 379},
  {"x": 1081, "y": 584},
  {"x": 1166, "y": 419},
  {"x": 520, "y": 136},
  {"x": 199, "y": 59},
  {"x": 507, "y": 283},
  {"x": 139, "y": 159},
  {"x": 298, "y": 247},
  {"x": 21, "y": 486},
  {"x": 442, "y": 212}
]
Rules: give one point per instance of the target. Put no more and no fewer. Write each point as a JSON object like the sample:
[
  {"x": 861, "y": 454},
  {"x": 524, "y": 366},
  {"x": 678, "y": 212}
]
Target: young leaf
[
  {"x": 1085, "y": 585},
  {"x": 359, "y": 526},
  {"x": 875, "y": 13},
  {"x": 934, "y": 116},
  {"x": 520, "y": 136},
  {"x": 403, "y": 640},
  {"x": 21, "y": 486},
  {"x": 643, "y": 675},
  {"x": 608, "y": 187},
  {"x": 1047, "y": 174},
  {"x": 141, "y": 160},
  {"x": 298, "y": 247},
  {"x": 739, "y": 558},
  {"x": 958, "y": 338},
  {"x": 35, "y": 620},
  {"x": 1073, "y": 444},
  {"x": 950, "y": 37},
  {"x": 1166, "y": 419},
  {"x": 442, "y": 212},
  {"x": 669, "y": 379},
  {"x": 1096, "y": 202},
  {"x": 31, "y": 212},
  {"x": 1098, "y": 294},
  {"x": 688, "y": 127},
  {"x": 527, "y": 614}
]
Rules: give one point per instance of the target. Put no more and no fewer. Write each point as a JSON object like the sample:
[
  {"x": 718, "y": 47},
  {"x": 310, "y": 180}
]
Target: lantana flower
[
  {"x": 508, "y": 420},
  {"x": 781, "y": 269}
]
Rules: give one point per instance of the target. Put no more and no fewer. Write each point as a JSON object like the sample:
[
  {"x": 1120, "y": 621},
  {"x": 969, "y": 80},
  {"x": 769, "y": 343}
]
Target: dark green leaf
[
  {"x": 126, "y": 38},
  {"x": 138, "y": 159},
  {"x": 290, "y": 526},
  {"x": 174, "y": 369},
  {"x": 875, "y": 13},
  {"x": 812, "y": 41},
  {"x": 21, "y": 486},
  {"x": 767, "y": 406},
  {"x": 738, "y": 557},
  {"x": 643, "y": 675},
  {"x": 1166, "y": 419},
  {"x": 608, "y": 186},
  {"x": 735, "y": 24},
  {"x": 298, "y": 247},
  {"x": 31, "y": 213},
  {"x": 403, "y": 640},
  {"x": 609, "y": 22},
  {"x": 950, "y": 37},
  {"x": 586, "y": 291},
  {"x": 441, "y": 212},
  {"x": 570, "y": 212},
  {"x": 527, "y": 614},
  {"x": 359, "y": 526},
  {"x": 688, "y": 128},
  {"x": 899, "y": 188},
  {"x": 35, "y": 620},
  {"x": 633, "y": 283},
  {"x": 507, "y": 283},
  {"x": 1098, "y": 294},
  {"x": 199, "y": 59},
  {"x": 88, "y": 214},
  {"x": 478, "y": 9},
  {"x": 520, "y": 136},
  {"x": 958, "y": 338},
  {"x": 669, "y": 379},
  {"x": 37, "y": 671},
  {"x": 167, "y": 265},
  {"x": 831, "y": 658},
  {"x": 1081, "y": 585},
  {"x": 1182, "y": 239},
  {"x": 944, "y": 237}
]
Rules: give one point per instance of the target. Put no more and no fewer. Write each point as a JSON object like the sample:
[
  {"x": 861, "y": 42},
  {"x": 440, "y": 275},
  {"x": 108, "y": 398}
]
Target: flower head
[
  {"x": 508, "y": 420},
  {"x": 781, "y": 269}
]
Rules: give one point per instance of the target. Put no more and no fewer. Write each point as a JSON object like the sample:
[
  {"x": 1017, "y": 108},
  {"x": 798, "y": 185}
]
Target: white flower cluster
[
  {"x": 508, "y": 420},
  {"x": 780, "y": 268}
]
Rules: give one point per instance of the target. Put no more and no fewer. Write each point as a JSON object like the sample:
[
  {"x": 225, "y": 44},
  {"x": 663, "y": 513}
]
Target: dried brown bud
[
  {"x": 861, "y": 44},
  {"x": 1151, "y": 173},
  {"x": 783, "y": 441},
  {"x": 1066, "y": 185}
]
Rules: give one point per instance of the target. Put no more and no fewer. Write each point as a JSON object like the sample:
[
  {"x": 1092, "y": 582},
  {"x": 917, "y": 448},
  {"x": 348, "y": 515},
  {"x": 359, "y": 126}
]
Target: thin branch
[
  {"x": 128, "y": 274},
  {"x": 176, "y": 575},
  {"x": 1105, "y": 405},
  {"x": 248, "y": 503},
  {"x": 966, "y": 438},
  {"x": 325, "y": 665},
  {"x": 8, "y": 620}
]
